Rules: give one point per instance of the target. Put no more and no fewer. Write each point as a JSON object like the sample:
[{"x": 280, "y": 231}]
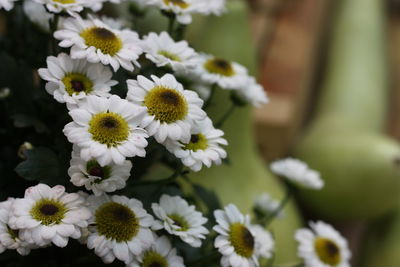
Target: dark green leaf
[{"x": 40, "y": 165}]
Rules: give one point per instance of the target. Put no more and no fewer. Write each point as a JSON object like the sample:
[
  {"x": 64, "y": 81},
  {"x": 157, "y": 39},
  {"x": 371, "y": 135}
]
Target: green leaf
[
  {"x": 209, "y": 197},
  {"x": 40, "y": 165}
]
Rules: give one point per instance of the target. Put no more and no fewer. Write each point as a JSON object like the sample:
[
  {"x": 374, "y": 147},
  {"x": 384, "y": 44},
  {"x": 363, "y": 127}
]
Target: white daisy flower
[
  {"x": 11, "y": 238},
  {"x": 227, "y": 74},
  {"x": 106, "y": 129},
  {"x": 253, "y": 93},
  {"x": 237, "y": 238},
  {"x": 38, "y": 15},
  {"x": 72, "y": 7},
  {"x": 96, "y": 178},
  {"x": 266, "y": 205},
  {"x": 203, "y": 148},
  {"x": 96, "y": 42},
  {"x": 322, "y": 246},
  {"x": 180, "y": 219},
  {"x": 71, "y": 80},
  {"x": 215, "y": 7},
  {"x": 119, "y": 229},
  {"x": 163, "y": 50},
  {"x": 263, "y": 242},
  {"x": 159, "y": 254},
  {"x": 171, "y": 110},
  {"x": 183, "y": 9},
  {"x": 49, "y": 215},
  {"x": 7, "y": 4},
  {"x": 297, "y": 172}
]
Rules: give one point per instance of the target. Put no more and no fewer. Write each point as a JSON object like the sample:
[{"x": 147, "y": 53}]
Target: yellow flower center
[
  {"x": 219, "y": 66},
  {"x": 180, "y": 3},
  {"x": 242, "y": 240},
  {"x": 327, "y": 251},
  {"x": 102, "y": 39},
  {"x": 153, "y": 259},
  {"x": 109, "y": 128},
  {"x": 116, "y": 221},
  {"x": 179, "y": 221},
  {"x": 166, "y": 105},
  {"x": 48, "y": 211},
  {"x": 64, "y": 2},
  {"x": 169, "y": 55},
  {"x": 76, "y": 83},
  {"x": 197, "y": 142}
]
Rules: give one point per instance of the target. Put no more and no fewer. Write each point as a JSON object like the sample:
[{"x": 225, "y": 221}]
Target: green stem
[
  {"x": 285, "y": 200},
  {"x": 180, "y": 32},
  {"x": 225, "y": 116},
  {"x": 210, "y": 97},
  {"x": 53, "y": 28},
  {"x": 171, "y": 24}
]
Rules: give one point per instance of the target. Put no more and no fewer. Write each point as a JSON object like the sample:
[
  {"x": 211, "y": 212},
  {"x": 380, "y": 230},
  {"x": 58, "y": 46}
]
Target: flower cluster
[{"x": 134, "y": 101}]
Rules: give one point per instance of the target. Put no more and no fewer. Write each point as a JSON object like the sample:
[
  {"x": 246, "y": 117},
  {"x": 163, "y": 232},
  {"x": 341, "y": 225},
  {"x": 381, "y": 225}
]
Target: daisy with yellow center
[
  {"x": 164, "y": 51},
  {"x": 106, "y": 130},
  {"x": 226, "y": 74},
  {"x": 160, "y": 254},
  {"x": 71, "y": 80},
  {"x": 120, "y": 228},
  {"x": 239, "y": 242},
  {"x": 99, "y": 179},
  {"x": 322, "y": 246},
  {"x": 96, "y": 42},
  {"x": 11, "y": 238},
  {"x": 170, "y": 110},
  {"x": 203, "y": 148},
  {"x": 49, "y": 215},
  {"x": 179, "y": 218}
]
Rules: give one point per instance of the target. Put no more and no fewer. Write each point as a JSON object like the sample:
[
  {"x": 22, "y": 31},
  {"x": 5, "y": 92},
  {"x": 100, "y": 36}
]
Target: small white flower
[
  {"x": 71, "y": 80},
  {"x": 11, "y": 238},
  {"x": 96, "y": 42},
  {"x": 171, "y": 110},
  {"x": 237, "y": 239},
  {"x": 119, "y": 229},
  {"x": 215, "y": 7},
  {"x": 253, "y": 93},
  {"x": 160, "y": 253},
  {"x": 7, "y": 4},
  {"x": 297, "y": 172},
  {"x": 70, "y": 6},
  {"x": 163, "y": 50},
  {"x": 263, "y": 242},
  {"x": 204, "y": 146},
  {"x": 227, "y": 74},
  {"x": 49, "y": 215},
  {"x": 183, "y": 9},
  {"x": 38, "y": 15},
  {"x": 265, "y": 205},
  {"x": 322, "y": 246},
  {"x": 95, "y": 177},
  {"x": 180, "y": 219},
  {"x": 106, "y": 129}
]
